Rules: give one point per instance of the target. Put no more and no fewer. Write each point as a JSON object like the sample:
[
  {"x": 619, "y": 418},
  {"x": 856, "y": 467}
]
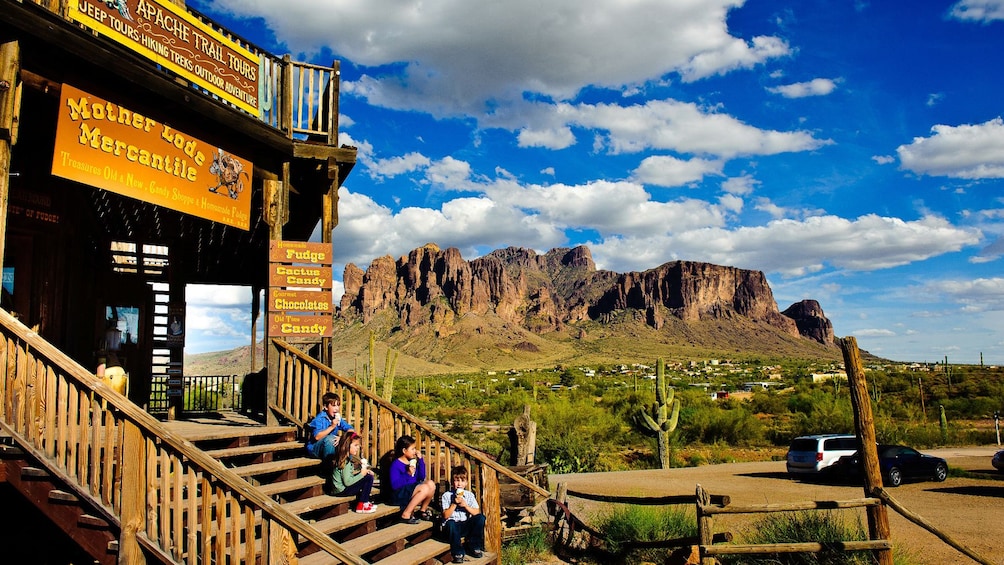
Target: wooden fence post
[
  {"x": 878, "y": 515},
  {"x": 705, "y": 527},
  {"x": 132, "y": 462}
]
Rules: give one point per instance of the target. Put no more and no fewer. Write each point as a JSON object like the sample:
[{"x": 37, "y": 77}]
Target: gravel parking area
[{"x": 971, "y": 510}]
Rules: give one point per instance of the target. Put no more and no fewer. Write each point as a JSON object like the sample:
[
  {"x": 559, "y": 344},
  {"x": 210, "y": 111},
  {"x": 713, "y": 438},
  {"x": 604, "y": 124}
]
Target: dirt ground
[{"x": 970, "y": 510}]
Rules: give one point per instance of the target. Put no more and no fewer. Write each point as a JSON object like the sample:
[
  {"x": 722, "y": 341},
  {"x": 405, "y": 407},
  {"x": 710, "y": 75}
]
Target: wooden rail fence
[{"x": 302, "y": 381}]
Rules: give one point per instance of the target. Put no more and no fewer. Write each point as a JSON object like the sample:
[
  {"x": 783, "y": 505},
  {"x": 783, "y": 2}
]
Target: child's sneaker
[
  {"x": 365, "y": 508},
  {"x": 458, "y": 558}
]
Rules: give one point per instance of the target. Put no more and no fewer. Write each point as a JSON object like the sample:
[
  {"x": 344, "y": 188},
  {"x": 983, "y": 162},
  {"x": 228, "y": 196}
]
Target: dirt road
[{"x": 969, "y": 510}]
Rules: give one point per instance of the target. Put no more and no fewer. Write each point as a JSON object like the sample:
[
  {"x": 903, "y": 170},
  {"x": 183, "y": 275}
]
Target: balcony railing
[{"x": 299, "y": 99}]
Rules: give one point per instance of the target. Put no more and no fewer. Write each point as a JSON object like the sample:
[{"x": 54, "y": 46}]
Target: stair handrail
[
  {"x": 299, "y": 383},
  {"x": 101, "y": 393},
  {"x": 414, "y": 420}
]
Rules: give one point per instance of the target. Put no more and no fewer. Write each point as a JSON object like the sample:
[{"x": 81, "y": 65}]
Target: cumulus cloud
[
  {"x": 558, "y": 138},
  {"x": 383, "y": 168},
  {"x": 966, "y": 151},
  {"x": 665, "y": 170},
  {"x": 984, "y": 11},
  {"x": 883, "y": 159},
  {"x": 974, "y": 295},
  {"x": 814, "y": 87},
  {"x": 796, "y": 247},
  {"x": 456, "y": 54},
  {"x": 874, "y": 332},
  {"x": 740, "y": 185},
  {"x": 682, "y": 127}
]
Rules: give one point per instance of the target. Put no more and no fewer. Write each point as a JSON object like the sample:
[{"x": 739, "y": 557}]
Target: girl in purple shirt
[{"x": 411, "y": 490}]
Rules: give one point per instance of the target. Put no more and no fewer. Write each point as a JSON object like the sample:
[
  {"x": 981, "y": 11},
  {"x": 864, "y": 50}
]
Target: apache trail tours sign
[
  {"x": 299, "y": 297},
  {"x": 171, "y": 37},
  {"x": 102, "y": 144}
]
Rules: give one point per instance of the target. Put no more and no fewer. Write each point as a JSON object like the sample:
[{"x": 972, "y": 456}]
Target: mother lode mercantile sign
[{"x": 103, "y": 144}]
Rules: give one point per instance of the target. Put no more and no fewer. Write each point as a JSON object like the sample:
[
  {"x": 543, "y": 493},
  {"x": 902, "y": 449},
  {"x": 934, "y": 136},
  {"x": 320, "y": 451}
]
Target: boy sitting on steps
[{"x": 462, "y": 518}]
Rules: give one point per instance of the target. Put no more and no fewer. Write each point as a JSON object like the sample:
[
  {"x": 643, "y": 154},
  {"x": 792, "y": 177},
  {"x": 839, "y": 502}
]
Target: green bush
[
  {"x": 796, "y": 527},
  {"x": 531, "y": 546},
  {"x": 628, "y": 523}
]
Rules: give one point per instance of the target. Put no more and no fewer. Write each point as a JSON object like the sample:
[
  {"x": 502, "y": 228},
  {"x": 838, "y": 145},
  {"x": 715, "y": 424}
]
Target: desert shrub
[
  {"x": 713, "y": 424},
  {"x": 632, "y": 522},
  {"x": 796, "y": 527}
]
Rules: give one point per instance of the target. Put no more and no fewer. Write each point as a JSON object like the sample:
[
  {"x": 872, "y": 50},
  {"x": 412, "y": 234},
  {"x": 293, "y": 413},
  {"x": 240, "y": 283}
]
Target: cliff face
[
  {"x": 545, "y": 293},
  {"x": 812, "y": 323}
]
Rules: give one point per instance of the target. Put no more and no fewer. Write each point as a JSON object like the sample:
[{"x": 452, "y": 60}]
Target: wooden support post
[
  {"x": 10, "y": 100},
  {"x": 329, "y": 220},
  {"x": 491, "y": 506},
  {"x": 276, "y": 213},
  {"x": 705, "y": 525},
  {"x": 878, "y": 516},
  {"x": 132, "y": 463}
]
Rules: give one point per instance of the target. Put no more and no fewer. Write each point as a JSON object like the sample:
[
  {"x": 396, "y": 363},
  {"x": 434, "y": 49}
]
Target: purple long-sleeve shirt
[{"x": 399, "y": 476}]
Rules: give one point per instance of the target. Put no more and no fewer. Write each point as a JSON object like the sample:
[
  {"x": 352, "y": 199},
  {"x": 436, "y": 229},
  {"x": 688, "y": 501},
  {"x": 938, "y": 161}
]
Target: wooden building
[
  {"x": 101, "y": 237},
  {"x": 143, "y": 148}
]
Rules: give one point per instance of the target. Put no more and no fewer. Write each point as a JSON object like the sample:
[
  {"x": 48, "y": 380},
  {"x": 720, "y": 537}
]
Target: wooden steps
[
  {"x": 273, "y": 467},
  {"x": 230, "y": 452},
  {"x": 278, "y": 466}
]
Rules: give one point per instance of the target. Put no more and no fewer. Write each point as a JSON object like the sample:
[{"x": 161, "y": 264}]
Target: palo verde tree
[{"x": 659, "y": 417}]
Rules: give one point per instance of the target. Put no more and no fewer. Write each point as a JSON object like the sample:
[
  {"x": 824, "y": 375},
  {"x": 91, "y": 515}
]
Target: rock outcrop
[
  {"x": 546, "y": 293},
  {"x": 811, "y": 322}
]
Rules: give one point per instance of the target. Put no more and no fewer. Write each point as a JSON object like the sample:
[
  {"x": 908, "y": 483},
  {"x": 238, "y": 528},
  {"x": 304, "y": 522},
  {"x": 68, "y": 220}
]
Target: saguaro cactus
[{"x": 659, "y": 417}]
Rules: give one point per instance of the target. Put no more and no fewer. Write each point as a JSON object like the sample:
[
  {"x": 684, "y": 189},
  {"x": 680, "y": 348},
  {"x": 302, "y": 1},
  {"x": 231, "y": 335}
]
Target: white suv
[{"x": 809, "y": 455}]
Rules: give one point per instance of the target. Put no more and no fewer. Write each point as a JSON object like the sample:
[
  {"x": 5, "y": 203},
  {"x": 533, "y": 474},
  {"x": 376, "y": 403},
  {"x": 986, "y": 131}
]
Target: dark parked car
[
  {"x": 897, "y": 463},
  {"x": 998, "y": 460}
]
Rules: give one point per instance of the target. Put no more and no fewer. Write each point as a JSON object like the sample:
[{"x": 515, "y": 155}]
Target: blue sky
[{"x": 853, "y": 151}]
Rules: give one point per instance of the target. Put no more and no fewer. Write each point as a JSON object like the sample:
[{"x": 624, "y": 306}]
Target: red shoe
[{"x": 366, "y": 508}]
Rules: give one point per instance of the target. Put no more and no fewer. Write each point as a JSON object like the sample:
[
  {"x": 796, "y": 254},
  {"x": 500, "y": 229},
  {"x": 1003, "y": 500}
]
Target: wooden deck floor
[{"x": 221, "y": 425}]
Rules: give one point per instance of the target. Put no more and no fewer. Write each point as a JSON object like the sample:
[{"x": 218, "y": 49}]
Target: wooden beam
[
  {"x": 127, "y": 65},
  {"x": 878, "y": 516},
  {"x": 10, "y": 97}
]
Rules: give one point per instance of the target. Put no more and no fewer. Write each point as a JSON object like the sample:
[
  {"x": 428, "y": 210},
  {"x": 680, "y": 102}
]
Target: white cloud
[
  {"x": 557, "y": 138},
  {"x": 795, "y": 247},
  {"x": 966, "y": 151},
  {"x": 665, "y": 170},
  {"x": 740, "y": 185},
  {"x": 984, "y": 11},
  {"x": 874, "y": 332},
  {"x": 974, "y": 295},
  {"x": 883, "y": 159},
  {"x": 683, "y": 127},
  {"x": 814, "y": 87},
  {"x": 397, "y": 165},
  {"x": 457, "y": 54}
]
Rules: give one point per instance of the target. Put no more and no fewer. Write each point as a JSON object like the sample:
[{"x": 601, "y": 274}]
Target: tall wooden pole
[
  {"x": 878, "y": 516},
  {"x": 10, "y": 101}
]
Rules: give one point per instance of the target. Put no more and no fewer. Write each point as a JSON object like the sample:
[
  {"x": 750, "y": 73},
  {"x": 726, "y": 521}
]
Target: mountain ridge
[{"x": 544, "y": 308}]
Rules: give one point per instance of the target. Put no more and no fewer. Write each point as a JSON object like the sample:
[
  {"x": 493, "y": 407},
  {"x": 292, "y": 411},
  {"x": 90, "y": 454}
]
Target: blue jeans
[
  {"x": 325, "y": 447},
  {"x": 473, "y": 529},
  {"x": 361, "y": 489}
]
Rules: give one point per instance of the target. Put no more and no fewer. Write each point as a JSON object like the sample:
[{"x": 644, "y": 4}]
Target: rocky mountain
[{"x": 562, "y": 291}]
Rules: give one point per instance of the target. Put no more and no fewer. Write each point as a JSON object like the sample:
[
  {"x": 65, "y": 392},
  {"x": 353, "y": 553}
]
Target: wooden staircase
[
  {"x": 275, "y": 461},
  {"x": 132, "y": 490}
]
